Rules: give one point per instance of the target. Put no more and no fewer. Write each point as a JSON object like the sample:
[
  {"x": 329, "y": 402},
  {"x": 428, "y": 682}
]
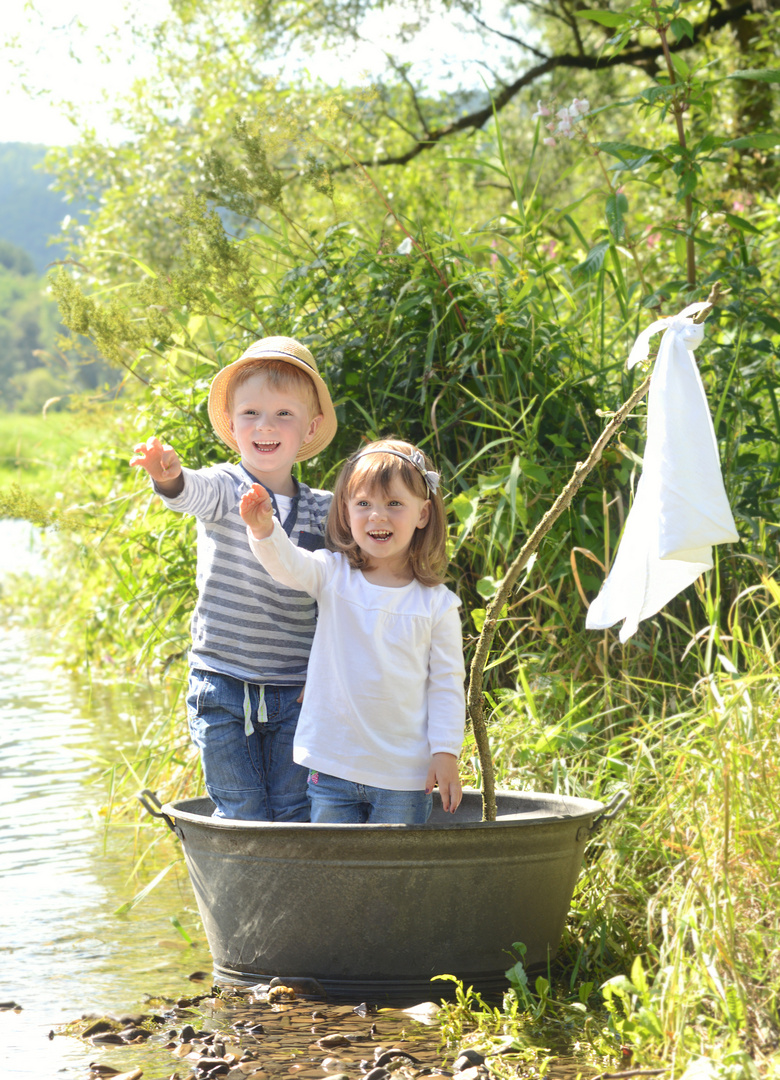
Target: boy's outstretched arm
[
  {"x": 257, "y": 511},
  {"x": 444, "y": 773},
  {"x": 162, "y": 463}
]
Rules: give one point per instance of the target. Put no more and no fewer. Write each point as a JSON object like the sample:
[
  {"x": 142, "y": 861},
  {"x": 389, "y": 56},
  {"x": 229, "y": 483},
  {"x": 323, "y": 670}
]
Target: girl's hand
[
  {"x": 444, "y": 772},
  {"x": 257, "y": 510},
  {"x": 161, "y": 462}
]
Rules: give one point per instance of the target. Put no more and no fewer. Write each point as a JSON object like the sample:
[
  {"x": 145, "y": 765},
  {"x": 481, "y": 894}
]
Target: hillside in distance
[{"x": 30, "y": 211}]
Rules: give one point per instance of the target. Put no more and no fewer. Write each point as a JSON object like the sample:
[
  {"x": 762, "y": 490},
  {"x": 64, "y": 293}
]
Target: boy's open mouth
[
  {"x": 265, "y": 447},
  {"x": 380, "y": 534}
]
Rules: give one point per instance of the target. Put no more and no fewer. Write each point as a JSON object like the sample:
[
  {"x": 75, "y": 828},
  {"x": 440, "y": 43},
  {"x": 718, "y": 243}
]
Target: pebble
[
  {"x": 136, "y": 1019},
  {"x": 466, "y": 1059},
  {"x": 305, "y": 987},
  {"x": 377, "y": 1074},
  {"x": 424, "y": 1013},
  {"x": 334, "y": 1065},
  {"x": 132, "y": 1034},
  {"x": 473, "y": 1072},
  {"x": 387, "y": 1056},
  {"x": 328, "y": 1042},
  {"x": 6, "y": 1006},
  {"x": 97, "y": 1028},
  {"x": 251, "y": 1067},
  {"x": 212, "y": 1066},
  {"x": 109, "y": 1038}
]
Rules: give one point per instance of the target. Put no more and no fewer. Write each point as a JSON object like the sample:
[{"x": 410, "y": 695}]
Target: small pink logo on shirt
[{"x": 314, "y": 777}]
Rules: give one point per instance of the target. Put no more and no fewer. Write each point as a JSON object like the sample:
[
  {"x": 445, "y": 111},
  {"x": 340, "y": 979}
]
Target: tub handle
[
  {"x": 148, "y": 799},
  {"x": 611, "y": 810}
]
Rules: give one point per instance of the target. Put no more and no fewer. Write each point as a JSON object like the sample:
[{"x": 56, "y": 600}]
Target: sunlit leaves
[
  {"x": 593, "y": 261},
  {"x": 615, "y": 211}
]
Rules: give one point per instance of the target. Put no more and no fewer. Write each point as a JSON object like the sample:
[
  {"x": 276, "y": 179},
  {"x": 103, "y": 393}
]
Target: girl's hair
[
  {"x": 280, "y": 376},
  {"x": 428, "y": 549}
]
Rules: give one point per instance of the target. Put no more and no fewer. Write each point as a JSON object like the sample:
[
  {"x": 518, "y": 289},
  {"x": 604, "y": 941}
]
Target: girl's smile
[{"x": 383, "y": 524}]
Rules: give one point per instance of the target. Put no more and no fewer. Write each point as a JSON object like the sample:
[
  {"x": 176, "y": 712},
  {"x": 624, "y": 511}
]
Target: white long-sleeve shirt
[{"x": 384, "y": 688}]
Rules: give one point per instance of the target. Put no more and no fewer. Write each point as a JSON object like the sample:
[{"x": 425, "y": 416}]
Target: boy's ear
[{"x": 314, "y": 423}]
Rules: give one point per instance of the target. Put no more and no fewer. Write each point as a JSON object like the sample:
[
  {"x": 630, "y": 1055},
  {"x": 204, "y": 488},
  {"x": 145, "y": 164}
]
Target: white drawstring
[{"x": 262, "y": 710}]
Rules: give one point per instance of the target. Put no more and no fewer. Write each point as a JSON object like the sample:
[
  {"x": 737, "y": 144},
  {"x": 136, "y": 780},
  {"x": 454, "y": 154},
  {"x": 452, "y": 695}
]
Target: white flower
[
  {"x": 549, "y": 142},
  {"x": 405, "y": 247},
  {"x": 541, "y": 110},
  {"x": 564, "y": 115},
  {"x": 580, "y": 106}
]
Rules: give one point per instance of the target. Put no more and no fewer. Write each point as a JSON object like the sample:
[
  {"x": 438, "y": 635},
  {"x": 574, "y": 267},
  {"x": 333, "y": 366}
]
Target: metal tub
[{"x": 375, "y": 911}]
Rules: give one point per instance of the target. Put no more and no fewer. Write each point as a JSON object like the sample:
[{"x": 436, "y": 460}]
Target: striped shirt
[{"x": 244, "y": 624}]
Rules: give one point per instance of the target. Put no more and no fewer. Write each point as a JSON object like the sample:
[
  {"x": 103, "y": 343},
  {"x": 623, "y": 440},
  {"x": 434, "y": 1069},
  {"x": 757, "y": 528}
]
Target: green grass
[
  {"x": 672, "y": 949},
  {"x": 36, "y": 452}
]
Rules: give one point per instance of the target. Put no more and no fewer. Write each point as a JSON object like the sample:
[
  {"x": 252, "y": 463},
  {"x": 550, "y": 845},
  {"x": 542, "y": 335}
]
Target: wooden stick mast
[{"x": 475, "y": 699}]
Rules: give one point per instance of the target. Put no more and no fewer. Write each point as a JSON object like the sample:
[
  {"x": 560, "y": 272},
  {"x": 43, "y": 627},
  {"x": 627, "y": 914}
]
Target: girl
[{"x": 383, "y": 715}]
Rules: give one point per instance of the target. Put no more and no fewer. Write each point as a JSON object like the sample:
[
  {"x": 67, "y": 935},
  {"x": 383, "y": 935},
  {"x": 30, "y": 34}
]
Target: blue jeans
[
  {"x": 251, "y": 777},
  {"x": 336, "y": 801}
]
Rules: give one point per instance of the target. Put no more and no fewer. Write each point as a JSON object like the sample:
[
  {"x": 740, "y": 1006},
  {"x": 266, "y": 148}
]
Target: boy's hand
[
  {"x": 257, "y": 510},
  {"x": 161, "y": 462},
  {"x": 444, "y": 772}
]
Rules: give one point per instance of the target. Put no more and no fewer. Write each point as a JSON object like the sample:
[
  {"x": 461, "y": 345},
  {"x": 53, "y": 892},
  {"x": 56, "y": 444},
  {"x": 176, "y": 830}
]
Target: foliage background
[{"x": 467, "y": 286}]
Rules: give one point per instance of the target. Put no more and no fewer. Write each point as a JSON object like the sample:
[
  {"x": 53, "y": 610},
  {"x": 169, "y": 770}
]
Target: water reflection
[{"x": 62, "y": 950}]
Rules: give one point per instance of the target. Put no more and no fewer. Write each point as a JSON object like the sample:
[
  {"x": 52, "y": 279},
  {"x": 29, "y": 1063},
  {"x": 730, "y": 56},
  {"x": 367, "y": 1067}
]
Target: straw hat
[{"x": 291, "y": 352}]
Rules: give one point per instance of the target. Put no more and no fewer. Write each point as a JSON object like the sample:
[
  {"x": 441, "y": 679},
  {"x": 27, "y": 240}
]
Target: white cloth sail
[{"x": 680, "y": 509}]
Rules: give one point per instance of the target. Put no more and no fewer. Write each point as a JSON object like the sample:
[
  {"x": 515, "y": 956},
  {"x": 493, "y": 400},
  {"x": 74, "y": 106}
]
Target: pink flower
[
  {"x": 652, "y": 239},
  {"x": 550, "y": 249},
  {"x": 541, "y": 110},
  {"x": 738, "y": 206},
  {"x": 564, "y": 115},
  {"x": 549, "y": 141},
  {"x": 580, "y": 106}
]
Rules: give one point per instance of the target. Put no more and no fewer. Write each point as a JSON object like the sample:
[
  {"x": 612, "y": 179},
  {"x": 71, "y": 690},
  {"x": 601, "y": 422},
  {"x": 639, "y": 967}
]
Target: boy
[{"x": 251, "y": 637}]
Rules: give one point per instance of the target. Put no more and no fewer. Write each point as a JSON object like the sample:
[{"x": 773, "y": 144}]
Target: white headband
[{"x": 416, "y": 459}]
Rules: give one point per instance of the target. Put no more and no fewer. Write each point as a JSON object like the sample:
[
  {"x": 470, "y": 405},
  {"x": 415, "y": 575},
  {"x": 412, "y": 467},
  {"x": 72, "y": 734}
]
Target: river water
[{"x": 63, "y": 951}]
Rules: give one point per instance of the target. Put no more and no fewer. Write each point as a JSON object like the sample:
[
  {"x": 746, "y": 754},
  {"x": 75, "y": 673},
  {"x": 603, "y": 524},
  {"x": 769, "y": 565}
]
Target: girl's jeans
[
  {"x": 336, "y": 801},
  {"x": 251, "y": 777}
]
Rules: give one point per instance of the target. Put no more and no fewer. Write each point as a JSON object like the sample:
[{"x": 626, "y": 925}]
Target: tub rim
[{"x": 572, "y": 808}]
